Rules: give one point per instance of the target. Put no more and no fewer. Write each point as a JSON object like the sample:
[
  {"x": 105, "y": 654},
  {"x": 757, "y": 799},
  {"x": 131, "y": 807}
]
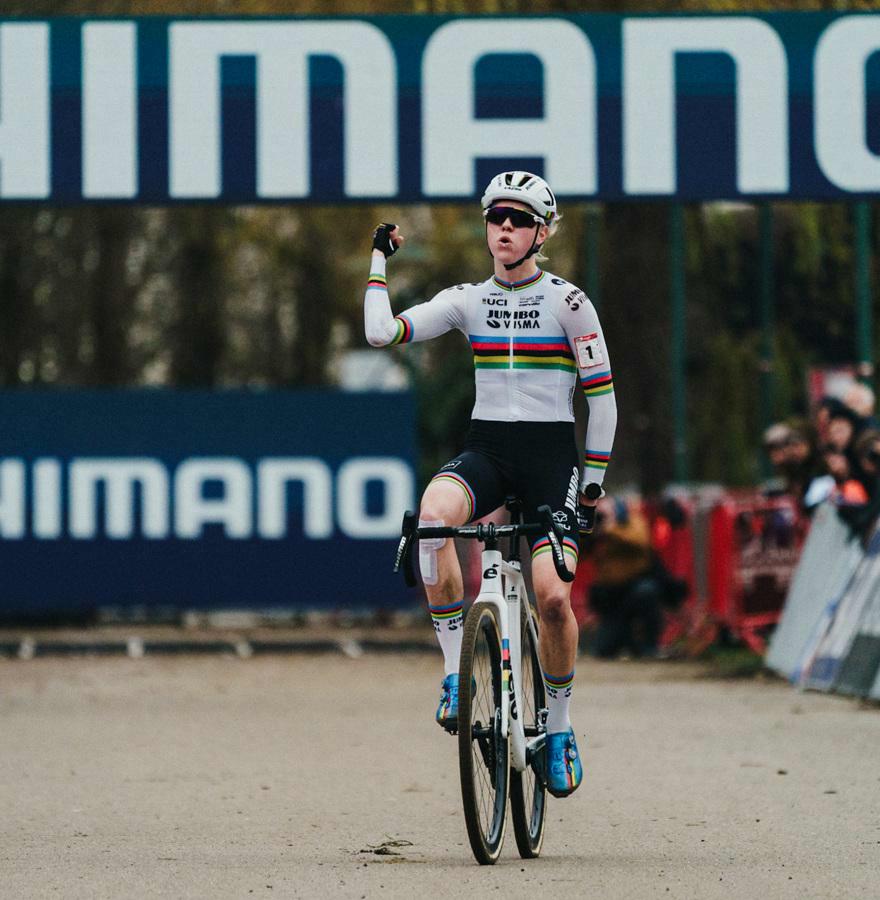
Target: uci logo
[{"x": 495, "y": 301}]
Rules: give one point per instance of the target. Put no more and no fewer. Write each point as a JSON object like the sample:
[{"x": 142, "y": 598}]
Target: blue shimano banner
[
  {"x": 421, "y": 108},
  {"x": 201, "y": 500}
]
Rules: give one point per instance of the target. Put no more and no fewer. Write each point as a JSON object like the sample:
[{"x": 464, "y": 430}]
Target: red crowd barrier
[
  {"x": 736, "y": 552},
  {"x": 754, "y": 546}
]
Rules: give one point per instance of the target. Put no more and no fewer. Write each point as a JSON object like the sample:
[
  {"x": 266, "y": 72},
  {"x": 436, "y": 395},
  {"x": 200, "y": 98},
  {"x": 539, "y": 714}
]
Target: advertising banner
[
  {"x": 202, "y": 500},
  {"x": 860, "y": 669},
  {"x": 421, "y": 108},
  {"x": 828, "y": 562},
  {"x": 836, "y": 645}
]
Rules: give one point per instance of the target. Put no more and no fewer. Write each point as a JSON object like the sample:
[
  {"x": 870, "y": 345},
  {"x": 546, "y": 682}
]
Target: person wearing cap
[{"x": 535, "y": 339}]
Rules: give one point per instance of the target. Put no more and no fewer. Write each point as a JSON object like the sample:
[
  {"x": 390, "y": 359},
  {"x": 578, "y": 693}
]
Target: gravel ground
[{"x": 283, "y": 776}]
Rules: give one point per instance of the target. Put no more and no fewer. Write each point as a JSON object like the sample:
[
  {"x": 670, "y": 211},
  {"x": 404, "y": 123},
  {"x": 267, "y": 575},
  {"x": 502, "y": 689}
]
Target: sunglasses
[{"x": 519, "y": 218}]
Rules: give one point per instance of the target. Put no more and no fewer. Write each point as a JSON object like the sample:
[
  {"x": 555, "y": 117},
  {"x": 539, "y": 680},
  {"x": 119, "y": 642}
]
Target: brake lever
[
  {"x": 403, "y": 557},
  {"x": 555, "y": 544}
]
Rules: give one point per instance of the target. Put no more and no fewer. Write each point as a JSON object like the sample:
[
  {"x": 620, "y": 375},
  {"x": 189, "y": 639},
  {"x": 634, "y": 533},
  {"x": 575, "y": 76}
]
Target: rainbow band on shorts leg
[
  {"x": 505, "y": 665},
  {"x": 569, "y": 546},
  {"x": 451, "y": 478}
]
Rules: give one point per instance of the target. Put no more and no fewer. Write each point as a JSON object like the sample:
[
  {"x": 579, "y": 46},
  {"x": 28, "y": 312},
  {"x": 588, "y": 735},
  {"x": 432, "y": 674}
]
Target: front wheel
[
  {"x": 528, "y": 789},
  {"x": 483, "y": 754}
]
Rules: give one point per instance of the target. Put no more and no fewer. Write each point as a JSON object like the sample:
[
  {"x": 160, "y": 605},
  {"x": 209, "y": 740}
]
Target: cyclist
[{"x": 533, "y": 336}]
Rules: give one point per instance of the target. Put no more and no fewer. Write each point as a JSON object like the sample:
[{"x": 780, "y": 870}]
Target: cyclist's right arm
[{"x": 419, "y": 323}]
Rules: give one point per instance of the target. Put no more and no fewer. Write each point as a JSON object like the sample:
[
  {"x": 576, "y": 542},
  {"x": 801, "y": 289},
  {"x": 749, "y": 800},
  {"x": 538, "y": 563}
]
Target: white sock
[
  {"x": 448, "y": 619},
  {"x": 558, "y": 690}
]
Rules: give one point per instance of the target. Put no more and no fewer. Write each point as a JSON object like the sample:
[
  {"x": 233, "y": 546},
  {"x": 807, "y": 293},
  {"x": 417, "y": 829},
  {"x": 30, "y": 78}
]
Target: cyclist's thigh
[
  {"x": 473, "y": 479},
  {"x": 550, "y": 476}
]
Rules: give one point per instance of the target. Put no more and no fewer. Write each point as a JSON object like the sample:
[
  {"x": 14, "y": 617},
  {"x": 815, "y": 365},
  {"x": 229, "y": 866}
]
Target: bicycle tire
[
  {"x": 483, "y": 754},
  {"x": 528, "y": 789}
]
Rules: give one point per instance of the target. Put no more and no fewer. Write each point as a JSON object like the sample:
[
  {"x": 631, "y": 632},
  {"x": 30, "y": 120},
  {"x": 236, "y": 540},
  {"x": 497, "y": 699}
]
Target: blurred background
[{"x": 159, "y": 355}]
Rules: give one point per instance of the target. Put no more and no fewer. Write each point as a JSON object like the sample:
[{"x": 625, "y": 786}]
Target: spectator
[
  {"x": 794, "y": 457},
  {"x": 867, "y": 452},
  {"x": 860, "y": 399},
  {"x": 861, "y": 510},
  {"x": 631, "y": 584},
  {"x": 844, "y": 426},
  {"x": 828, "y": 406}
]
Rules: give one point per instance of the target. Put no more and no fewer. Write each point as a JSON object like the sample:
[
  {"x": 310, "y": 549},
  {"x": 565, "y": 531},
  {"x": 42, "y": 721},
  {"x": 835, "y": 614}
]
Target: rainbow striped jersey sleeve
[
  {"x": 579, "y": 319},
  {"x": 442, "y": 313}
]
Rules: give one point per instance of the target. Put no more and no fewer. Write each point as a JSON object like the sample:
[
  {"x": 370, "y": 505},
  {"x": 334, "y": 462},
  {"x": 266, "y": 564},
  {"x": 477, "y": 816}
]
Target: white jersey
[{"x": 532, "y": 341}]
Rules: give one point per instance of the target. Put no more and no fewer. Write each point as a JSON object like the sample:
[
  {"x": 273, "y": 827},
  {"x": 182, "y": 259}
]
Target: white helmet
[{"x": 524, "y": 187}]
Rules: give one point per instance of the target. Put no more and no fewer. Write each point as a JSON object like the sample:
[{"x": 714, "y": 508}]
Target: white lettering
[
  {"x": 649, "y": 48},
  {"x": 840, "y": 129},
  {"x": 110, "y": 485},
  {"x": 109, "y": 140},
  {"x": 47, "y": 499},
  {"x": 24, "y": 107},
  {"x": 566, "y": 135},
  {"x": 119, "y": 477},
  {"x": 12, "y": 498},
  {"x": 273, "y": 476},
  {"x": 192, "y": 510},
  {"x": 351, "y": 496},
  {"x": 282, "y": 50}
]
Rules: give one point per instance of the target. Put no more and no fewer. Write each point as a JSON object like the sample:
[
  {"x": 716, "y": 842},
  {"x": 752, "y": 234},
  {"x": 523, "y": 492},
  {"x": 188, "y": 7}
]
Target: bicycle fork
[{"x": 508, "y": 611}]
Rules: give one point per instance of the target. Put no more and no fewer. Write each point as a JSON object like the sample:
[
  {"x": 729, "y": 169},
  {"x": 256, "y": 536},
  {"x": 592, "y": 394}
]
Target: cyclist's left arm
[
  {"x": 579, "y": 319},
  {"x": 422, "y": 322}
]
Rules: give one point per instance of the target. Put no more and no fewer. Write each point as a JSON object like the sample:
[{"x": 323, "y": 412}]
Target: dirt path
[{"x": 278, "y": 777}]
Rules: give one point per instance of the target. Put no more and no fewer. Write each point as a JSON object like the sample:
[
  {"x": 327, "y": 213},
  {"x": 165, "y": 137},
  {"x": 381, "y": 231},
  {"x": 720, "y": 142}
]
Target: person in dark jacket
[{"x": 627, "y": 594}]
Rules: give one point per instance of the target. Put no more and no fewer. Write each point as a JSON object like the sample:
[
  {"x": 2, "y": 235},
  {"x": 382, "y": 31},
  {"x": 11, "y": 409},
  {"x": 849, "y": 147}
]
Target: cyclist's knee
[
  {"x": 554, "y": 605},
  {"x": 440, "y": 506},
  {"x": 442, "y": 503}
]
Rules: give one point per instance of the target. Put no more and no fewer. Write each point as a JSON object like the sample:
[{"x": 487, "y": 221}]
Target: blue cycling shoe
[
  {"x": 564, "y": 769},
  {"x": 447, "y": 711}
]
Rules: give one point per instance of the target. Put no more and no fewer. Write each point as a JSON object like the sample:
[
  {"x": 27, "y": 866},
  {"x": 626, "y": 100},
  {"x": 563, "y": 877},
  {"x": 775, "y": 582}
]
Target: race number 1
[{"x": 588, "y": 351}]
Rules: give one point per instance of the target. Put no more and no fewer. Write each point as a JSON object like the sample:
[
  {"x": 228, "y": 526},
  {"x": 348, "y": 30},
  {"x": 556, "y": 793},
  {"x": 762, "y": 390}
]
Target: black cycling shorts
[{"x": 535, "y": 461}]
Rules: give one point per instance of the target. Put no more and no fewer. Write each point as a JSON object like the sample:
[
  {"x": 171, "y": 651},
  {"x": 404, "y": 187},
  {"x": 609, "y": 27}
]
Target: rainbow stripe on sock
[
  {"x": 457, "y": 480},
  {"x": 558, "y": 682},
  {"x": 443, "y": 613}
]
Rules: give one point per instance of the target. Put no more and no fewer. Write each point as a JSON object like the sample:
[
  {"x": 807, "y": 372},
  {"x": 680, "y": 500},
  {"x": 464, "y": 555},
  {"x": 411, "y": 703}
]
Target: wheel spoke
[
  {"x": 483, "y": 755},
  {"x": 527, "y": 788}
]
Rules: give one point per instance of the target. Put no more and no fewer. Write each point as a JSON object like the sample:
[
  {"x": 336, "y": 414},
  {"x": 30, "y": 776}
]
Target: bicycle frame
[{"x": 503, "y": 587}]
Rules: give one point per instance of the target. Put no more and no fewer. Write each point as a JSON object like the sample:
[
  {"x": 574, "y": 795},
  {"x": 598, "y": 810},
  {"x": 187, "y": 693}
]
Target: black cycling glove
[
  {"x": 586, "y": 515},
  {"x": 586, "y": 518},
  {"x": 382, "y": 239}
]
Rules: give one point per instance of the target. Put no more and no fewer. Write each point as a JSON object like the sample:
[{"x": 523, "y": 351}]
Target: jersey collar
[{"x": 519, "y": 285}]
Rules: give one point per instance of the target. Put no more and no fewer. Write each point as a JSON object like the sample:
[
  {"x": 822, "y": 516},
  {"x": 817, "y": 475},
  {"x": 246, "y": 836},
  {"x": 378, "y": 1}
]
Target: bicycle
[{"x": 501, "y": 703}]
